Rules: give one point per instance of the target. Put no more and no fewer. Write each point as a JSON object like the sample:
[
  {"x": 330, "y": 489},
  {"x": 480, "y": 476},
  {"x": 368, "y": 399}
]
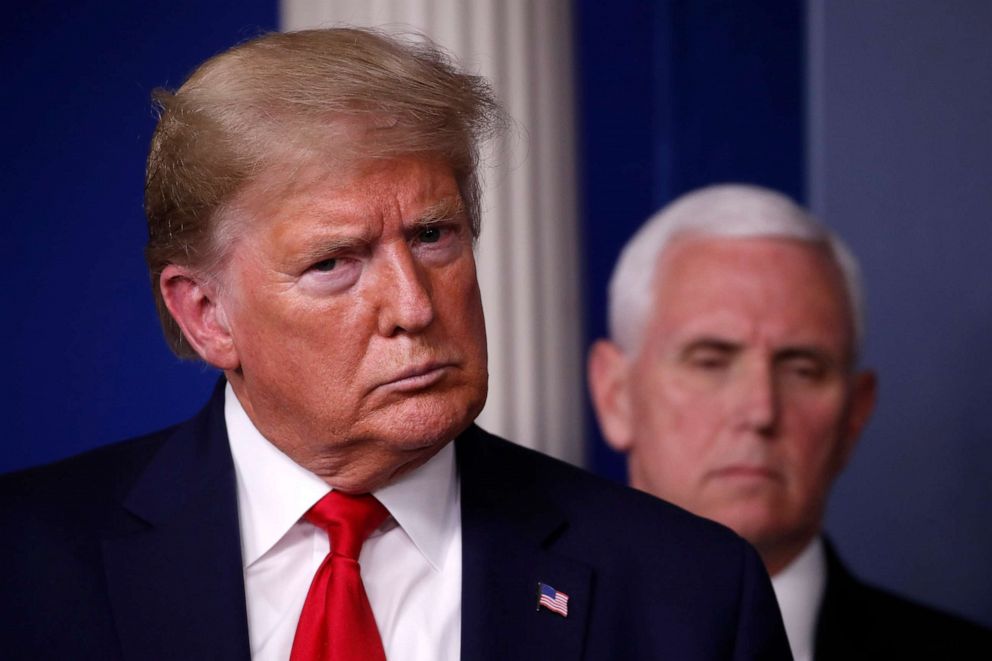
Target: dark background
[{"x": 90, "y": 365}]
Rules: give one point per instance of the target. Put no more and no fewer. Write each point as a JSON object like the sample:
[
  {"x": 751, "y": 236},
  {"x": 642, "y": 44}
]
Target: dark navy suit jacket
[
  {"x": 857, "y": 620},
  {"x": 132, "y": 551}
]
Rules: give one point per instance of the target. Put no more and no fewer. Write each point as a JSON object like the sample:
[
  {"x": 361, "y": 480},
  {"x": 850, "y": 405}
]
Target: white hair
[{"x": 723, "y": 210}]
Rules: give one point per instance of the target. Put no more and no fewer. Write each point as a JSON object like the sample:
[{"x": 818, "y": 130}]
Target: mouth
[
  {"x": 418, "y": 378},
  {"x": 746, "y": 473}
]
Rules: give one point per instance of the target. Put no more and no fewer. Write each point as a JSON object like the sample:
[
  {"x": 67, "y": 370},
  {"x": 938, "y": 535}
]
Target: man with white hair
[{"x": 731, "y": 381}]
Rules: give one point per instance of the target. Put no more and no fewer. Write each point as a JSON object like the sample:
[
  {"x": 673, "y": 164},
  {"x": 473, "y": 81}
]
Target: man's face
[
  {"x": 740, "y": 405},
  {"x": 354, "y": 312}
]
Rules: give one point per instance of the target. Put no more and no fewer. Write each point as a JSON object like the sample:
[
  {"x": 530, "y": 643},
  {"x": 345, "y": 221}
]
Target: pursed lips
[
  {"x": 745, "y": 472},
  {"x": 418, "y": 377}
]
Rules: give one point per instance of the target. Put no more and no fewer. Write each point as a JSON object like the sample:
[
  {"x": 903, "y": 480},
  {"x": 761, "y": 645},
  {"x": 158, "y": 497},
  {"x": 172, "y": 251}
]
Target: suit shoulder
[
  {"x": 607, "y": 506},
  {"x": 903, "y": 614},
  {"x": 884, "y": 621},
  {"x": 75, "y": 484},
  {"x": 668, "y": 570}
]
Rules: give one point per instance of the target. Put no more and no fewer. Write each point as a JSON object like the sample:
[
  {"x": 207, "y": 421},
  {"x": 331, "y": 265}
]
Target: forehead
[
  {"x": 326, "y": 195},
  {"x": 317, "y": 182},
  {"x": 782, "y": 290}
]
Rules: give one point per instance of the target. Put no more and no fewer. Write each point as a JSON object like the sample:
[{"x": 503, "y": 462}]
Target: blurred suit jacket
[
  {"x": 859, "y": 621},
  {"x": 132, "y": 551}
]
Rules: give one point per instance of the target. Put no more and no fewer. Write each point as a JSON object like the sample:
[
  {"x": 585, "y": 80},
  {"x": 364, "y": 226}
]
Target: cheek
[
  {"x": 459, "y": 303},
  {"x": 674, "y": 408},
  {"x": 285, "y": 344},
  {"x": 676, "y": 428},
  {"x": 815, "y": 425}
]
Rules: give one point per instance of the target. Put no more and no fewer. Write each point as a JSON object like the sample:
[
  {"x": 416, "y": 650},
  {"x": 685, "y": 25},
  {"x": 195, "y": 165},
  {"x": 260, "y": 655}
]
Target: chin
[
  {"x": 424, "y": 422},
  {"x": 758, "y": 533},
  {"x": 751, "y": 520}
]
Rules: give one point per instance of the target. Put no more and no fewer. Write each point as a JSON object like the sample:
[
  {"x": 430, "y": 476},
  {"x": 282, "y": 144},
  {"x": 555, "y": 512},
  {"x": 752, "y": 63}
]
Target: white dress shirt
[
  {"x": 799, "y": 590},
  {"x": 411, "y": 565}
]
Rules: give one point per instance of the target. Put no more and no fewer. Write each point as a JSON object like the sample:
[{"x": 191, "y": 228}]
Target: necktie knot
[{"x": 348, "y": 520}]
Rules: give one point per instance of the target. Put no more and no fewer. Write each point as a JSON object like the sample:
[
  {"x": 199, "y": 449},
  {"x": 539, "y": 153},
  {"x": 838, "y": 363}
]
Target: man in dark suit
[
  {"x": 731, "y": 380},
  {"x": 312, "y": 206}
]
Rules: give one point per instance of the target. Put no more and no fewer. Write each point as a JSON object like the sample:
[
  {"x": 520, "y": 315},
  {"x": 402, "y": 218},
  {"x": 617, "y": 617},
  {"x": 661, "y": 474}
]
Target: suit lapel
[
  {"x": 840, "y": 611},
  {"x": 509, "y": 527},
  {"x": 177, "y": 586}
]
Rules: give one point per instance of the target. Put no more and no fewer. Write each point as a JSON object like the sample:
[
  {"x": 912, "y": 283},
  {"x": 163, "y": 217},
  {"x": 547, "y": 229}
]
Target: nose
[
  {"x": 758, "y": 400},
  {"x": 405, "y": 295}
]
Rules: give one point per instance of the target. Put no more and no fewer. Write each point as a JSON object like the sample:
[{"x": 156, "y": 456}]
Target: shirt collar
[
  {"x": 426, "y": 503},
  {"x": 274, "y": 492},
  {"x": 799, "y": 590}
]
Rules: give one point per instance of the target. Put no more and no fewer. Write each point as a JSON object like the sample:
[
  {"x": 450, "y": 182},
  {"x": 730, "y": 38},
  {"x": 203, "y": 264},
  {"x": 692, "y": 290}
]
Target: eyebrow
[
  {"x": 802, "y": 351},
  {"x": 323, "y": 247},
  {"x": 782, "y": 353},
  {"x": 440, "y": 212},
  {"x": 711, "y": 344}
]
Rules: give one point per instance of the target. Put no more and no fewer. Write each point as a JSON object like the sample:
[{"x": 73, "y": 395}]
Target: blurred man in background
[{"x": 731, "y": 381}]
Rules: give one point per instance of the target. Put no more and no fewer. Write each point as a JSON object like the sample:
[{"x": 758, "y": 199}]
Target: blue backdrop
[{"x": 89, "y": 364}]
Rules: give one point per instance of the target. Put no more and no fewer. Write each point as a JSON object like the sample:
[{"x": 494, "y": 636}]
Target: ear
[
  {"x": 194, "y": 303},
  {"x": 863, "y": 395},
  {"x": 608, "y": 375}
]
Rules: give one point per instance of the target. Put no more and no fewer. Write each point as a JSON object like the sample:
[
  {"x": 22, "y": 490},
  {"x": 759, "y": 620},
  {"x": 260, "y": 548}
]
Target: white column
[{"x": 528, "y": 252}]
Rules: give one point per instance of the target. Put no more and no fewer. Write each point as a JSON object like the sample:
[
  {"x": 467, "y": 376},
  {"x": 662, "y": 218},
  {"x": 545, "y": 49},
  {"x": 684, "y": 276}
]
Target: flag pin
[{"x": 554, "y": 600}]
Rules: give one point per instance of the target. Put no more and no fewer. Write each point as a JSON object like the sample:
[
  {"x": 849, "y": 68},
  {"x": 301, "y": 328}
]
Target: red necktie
[{"x": 337, "y": 622}]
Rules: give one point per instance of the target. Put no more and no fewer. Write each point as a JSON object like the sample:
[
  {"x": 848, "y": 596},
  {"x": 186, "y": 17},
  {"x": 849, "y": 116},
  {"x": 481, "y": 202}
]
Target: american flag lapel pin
[{"x": 554, "y": 600}]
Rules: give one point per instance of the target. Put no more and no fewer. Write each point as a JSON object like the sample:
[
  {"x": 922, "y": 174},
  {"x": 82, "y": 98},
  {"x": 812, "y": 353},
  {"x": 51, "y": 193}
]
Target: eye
[
  {"x": 331, "y": 275},
  {"x": 806, "y": 369},
  {"x": 430, "y": 235},
  {"x": 709, "y": 360},
  {"x": 437, "y": 243},
  {"x": 710, "y": 365},
  {"x": 325, "y": 265}
]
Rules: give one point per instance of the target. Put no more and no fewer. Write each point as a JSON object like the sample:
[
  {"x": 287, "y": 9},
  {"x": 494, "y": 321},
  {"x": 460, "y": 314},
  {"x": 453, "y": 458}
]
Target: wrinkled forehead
[
  {"x": 693, "y": 255},
  {"x": 296, "y": 153},
  {"x": 778, "y": 282},
  {"x": 319, "y": 179}
]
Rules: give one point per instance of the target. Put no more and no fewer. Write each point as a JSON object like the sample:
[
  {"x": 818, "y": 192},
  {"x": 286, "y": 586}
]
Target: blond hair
[{"x": 284, "y": 98}]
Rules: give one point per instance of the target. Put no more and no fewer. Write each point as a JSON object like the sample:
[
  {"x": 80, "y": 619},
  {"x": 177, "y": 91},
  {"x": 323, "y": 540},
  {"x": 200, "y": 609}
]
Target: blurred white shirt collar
[{"x": 799, "y": 589}]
